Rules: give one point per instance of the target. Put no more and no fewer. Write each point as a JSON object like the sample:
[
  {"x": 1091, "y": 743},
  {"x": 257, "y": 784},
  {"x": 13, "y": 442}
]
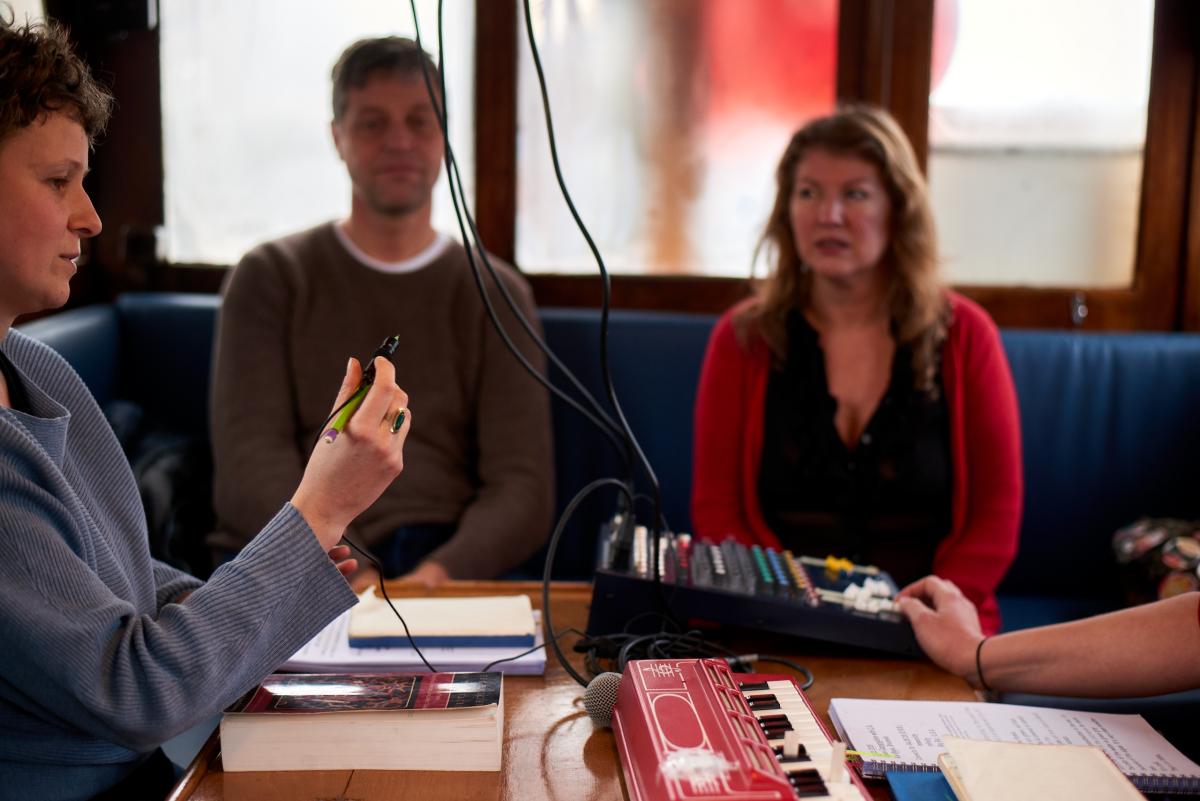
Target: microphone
[{"x": 600, "y": 697}]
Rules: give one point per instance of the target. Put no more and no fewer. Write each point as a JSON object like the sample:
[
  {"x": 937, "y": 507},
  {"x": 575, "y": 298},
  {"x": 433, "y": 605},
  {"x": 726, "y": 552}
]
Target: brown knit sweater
[{"x": 479, "y": 452}]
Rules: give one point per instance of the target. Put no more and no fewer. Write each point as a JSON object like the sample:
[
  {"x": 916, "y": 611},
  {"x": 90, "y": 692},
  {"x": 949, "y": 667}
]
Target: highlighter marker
[{"x": 368, "y": 378}]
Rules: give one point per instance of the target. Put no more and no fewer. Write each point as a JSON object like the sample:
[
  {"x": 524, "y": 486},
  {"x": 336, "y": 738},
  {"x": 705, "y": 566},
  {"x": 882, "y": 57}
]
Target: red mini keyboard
[{"x": 692, "y": 729}]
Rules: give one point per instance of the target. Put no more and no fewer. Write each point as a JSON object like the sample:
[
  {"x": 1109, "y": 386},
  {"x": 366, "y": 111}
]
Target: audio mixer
[{"x": 749, "y": 586}]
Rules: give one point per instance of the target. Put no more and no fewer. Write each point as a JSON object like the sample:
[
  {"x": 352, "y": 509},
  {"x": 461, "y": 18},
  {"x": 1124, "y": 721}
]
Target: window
[
  {"x": 1142, "y": 204},
  {"x": 1037, "y": 126},
  {"x": 670, "y": 118},
  {"x": 27, "y": 10},
  {"x": 247, "y": 153},
  {"x": 24, "y": 10}
]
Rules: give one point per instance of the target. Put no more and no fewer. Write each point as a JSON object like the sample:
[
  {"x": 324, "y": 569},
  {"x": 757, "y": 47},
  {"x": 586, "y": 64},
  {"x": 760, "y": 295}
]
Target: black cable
[
  {"x": 392, "y": 606},
  {"x": 643, "y": 462},
  {"x": 640, "y": 615},
  {"x": 471, "y": 243},
  {"x": 559, "y": 636},
  {"x": 779, "y": 660},
  {"x": 551, "y": 548},
  {"x": 457, "y": 195},
  {"x": 615, "y": 432}
]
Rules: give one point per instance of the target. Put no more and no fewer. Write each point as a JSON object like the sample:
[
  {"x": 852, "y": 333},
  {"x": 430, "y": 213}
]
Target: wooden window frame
[
  {"x": 884, "y": 53},
  {"x": 884, "y": 56}
]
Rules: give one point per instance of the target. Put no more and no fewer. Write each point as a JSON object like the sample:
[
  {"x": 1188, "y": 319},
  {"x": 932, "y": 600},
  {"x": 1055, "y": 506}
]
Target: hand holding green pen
[{"x": 342, "y": 416}]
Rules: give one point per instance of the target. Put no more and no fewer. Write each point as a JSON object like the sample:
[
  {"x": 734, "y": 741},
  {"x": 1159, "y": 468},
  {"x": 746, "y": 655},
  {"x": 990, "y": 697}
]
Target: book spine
[
  {"x": 1189, "y": 785},
  {"x": 874, "y": 769}
]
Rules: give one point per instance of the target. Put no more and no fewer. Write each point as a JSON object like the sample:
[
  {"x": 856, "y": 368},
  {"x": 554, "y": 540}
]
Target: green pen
[{"x": 347, "y": 409}]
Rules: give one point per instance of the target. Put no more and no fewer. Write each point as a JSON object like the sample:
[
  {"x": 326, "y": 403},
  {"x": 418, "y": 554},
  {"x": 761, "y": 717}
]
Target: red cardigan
[{"x": 985, "y": 437}]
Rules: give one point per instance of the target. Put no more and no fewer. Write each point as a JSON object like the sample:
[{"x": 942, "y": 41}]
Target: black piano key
[
  {"x": 761, "y": 702},
  {"x": 807, "y": 776},
  {"x": 755, "y": 686},
  {"x": 769, "y": 720},
  {"x": 801, "y": 755}
]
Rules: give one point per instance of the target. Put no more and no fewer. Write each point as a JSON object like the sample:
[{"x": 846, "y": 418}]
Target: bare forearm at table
[{"x": 1145, "y": 650}]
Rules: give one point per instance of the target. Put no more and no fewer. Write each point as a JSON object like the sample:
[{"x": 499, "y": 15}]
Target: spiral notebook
[{"x": 909, "y": 736}]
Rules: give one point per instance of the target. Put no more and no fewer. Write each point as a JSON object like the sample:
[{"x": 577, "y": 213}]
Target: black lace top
[{"x": 884, "y": 500}]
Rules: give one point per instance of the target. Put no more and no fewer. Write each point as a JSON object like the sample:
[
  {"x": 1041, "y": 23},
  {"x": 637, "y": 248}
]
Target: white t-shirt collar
[{"x": 409, "y": 265}]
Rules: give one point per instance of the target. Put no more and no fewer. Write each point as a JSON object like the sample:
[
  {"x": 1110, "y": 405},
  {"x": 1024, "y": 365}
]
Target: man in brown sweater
[{"x": 476, "y": 495}]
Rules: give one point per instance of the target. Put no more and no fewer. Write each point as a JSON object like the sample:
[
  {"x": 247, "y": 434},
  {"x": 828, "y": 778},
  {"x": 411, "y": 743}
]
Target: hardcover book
[
  {"x": 502, "y": 621},
  {"x": 430, "y": 721}
]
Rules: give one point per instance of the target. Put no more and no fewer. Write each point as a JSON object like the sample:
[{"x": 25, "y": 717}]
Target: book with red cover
[{"x": 427, "y": 721}]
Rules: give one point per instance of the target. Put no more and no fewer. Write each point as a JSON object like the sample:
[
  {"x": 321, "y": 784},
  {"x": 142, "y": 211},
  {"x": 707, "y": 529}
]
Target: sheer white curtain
[
  {"x": 670, "y": 118},
  {"x": 27, "y": 10},
  {"x": 246, "y": 110},
  {"x": 1036, "y": 136}
]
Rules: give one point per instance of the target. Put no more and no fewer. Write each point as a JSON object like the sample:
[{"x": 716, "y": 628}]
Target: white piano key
[{"x": 807, "y": 731}]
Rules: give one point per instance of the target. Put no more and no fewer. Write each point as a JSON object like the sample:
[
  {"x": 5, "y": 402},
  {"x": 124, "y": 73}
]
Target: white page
[
  {"x": 912, "y": 731},
  {"x": 330, "y": 652}
]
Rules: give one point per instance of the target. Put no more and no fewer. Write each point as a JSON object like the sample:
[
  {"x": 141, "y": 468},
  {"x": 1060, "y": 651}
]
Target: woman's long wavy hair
[{"x": 917, "y": 305}]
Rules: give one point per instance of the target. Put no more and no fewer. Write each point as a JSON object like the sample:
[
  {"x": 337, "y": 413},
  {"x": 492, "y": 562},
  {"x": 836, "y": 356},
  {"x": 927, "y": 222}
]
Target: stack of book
[
  {"x": 454, "y": 634},
  {"x": 431, "y": 721}
]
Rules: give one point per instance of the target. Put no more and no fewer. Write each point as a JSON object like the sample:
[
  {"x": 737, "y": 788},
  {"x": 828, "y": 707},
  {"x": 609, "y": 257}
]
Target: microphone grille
[{"x": 601, "y": 696}]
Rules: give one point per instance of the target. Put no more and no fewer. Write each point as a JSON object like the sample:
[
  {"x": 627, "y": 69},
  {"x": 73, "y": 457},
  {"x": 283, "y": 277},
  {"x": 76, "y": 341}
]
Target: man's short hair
[
  {"x": 40, "y": 74},
  {"x": 363, "y": 60}
]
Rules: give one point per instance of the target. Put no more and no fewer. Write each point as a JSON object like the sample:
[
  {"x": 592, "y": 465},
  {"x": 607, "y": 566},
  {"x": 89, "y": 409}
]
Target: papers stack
[{"x": 331, "y": 650}]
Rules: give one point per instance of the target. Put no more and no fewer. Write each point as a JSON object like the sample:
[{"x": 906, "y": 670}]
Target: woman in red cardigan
[{"x": 855, "y": 406}]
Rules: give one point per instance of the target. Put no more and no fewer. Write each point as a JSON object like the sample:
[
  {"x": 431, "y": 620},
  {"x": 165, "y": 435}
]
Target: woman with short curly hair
[{"x": 108, "y": 652}]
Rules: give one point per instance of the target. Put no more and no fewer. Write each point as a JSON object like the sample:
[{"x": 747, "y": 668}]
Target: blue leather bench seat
[
  {"x": 1109, "y": 434},
  {"x": 1108, "y": 420}
]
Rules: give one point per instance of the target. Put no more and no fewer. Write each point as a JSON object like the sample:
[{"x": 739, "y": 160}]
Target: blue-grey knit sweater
[{"x": 98, "y": 664}]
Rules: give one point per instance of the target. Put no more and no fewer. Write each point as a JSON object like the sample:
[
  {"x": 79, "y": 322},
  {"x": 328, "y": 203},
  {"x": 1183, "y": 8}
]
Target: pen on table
[{"x": 368, "y": 378}]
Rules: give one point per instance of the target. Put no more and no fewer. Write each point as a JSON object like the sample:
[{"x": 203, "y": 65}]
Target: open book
[{"x": 910, "y": 736}]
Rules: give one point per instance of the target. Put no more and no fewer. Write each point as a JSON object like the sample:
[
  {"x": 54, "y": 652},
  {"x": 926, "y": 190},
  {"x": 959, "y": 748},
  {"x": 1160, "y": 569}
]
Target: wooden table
[{"x": 551, "y": 749}]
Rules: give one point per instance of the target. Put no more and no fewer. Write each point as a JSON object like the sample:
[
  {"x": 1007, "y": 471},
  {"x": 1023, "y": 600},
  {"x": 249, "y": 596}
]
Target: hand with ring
[
  {"x": 346, "y": 476},
  {"x": 395, "y": 419}
]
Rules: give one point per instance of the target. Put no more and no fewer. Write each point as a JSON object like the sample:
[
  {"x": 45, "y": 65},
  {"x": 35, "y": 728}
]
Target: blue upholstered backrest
[
  {"x": 166, "y": 355},
  {"x": 655, "y": 362},
  {"x": 1110, "y": 432},
  {"x": 1110, "y": 429},
  {"x": 89, "y": 339}
]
